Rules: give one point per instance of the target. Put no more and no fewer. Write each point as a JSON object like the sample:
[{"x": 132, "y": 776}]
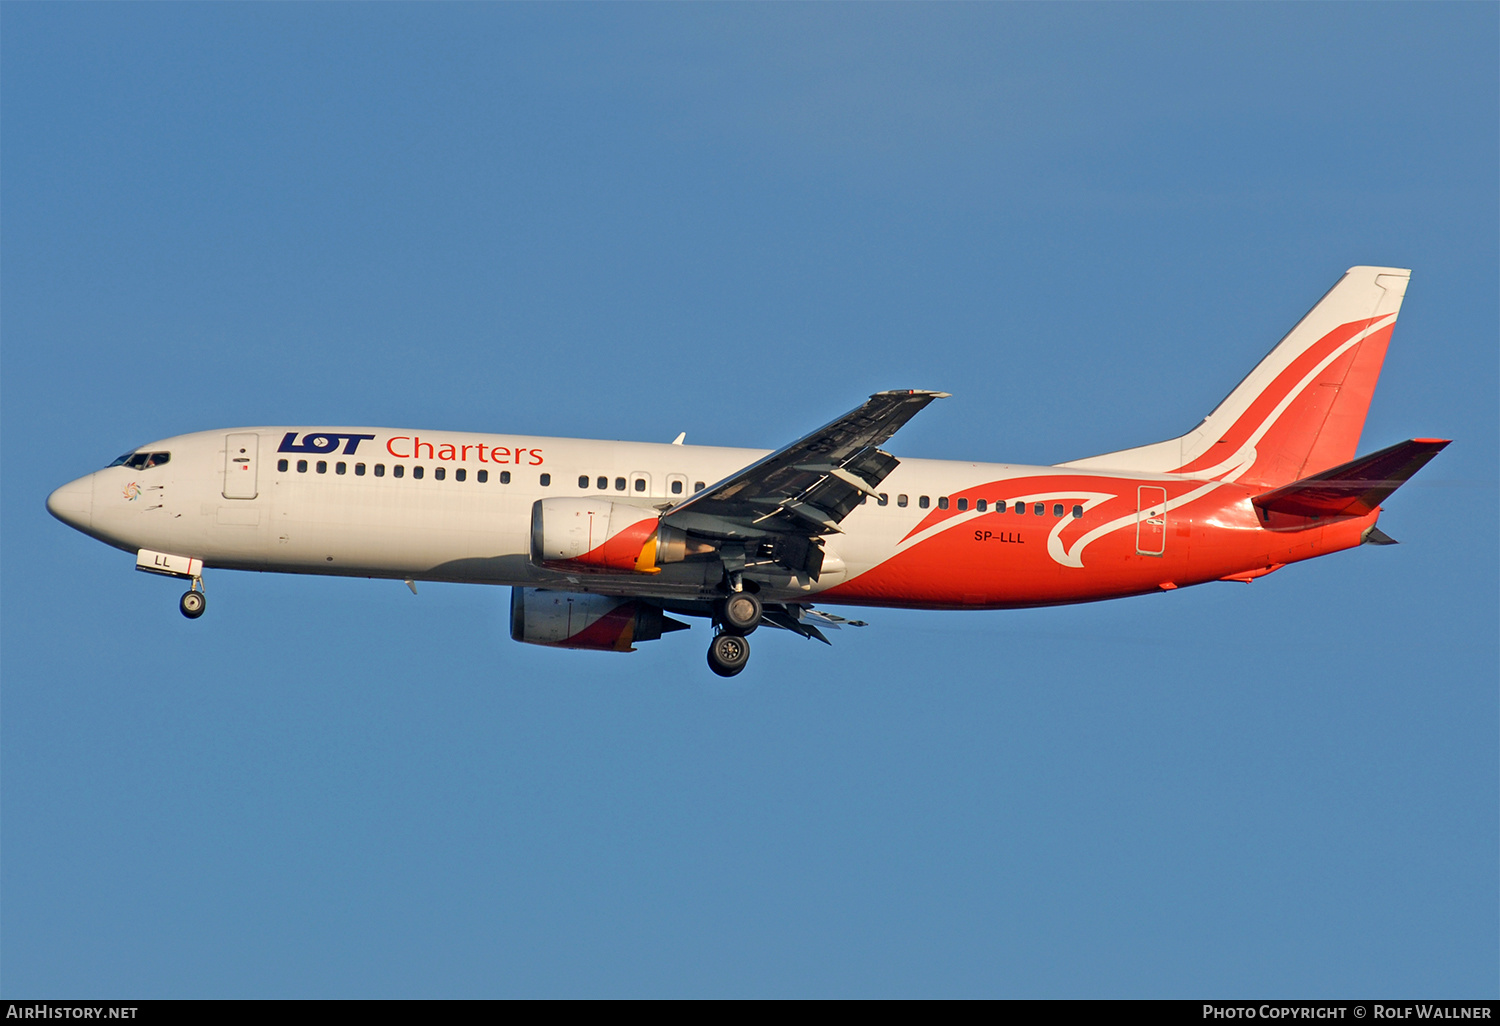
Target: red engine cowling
[
  {"x": 602, "y": 536},
  {"x": 601, "y": 622}
]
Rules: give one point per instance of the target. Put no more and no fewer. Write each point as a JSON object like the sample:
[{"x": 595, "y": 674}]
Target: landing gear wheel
[
  {"x": 192, "y": 604},
  {"x": 728, "y": 654},
  {"x": 742, "y": 612}
]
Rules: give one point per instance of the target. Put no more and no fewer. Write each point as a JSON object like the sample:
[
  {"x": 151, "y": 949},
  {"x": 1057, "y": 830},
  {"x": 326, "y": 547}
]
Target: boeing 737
[{"x": 604, "y": 544}]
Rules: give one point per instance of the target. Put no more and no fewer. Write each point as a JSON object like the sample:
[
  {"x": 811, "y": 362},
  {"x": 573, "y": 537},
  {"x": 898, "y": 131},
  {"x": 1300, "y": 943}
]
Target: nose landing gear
[
  {"x": 193, "y": 601},
  {"x": 189, "y": 568}
]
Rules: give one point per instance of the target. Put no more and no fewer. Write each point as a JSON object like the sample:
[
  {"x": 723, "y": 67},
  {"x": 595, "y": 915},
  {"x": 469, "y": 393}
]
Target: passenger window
[
  {"x": 924, "y": 501},
  {"x": 417, "y": 472},
  {"x": 619, "y": 484},
  {"x": 640, "y": 484},
  {"x": 460, "y": 473},
  {"x": 882, "y": 499},
  {"x": 546, "y": 480},
  {"x": 676, "y": 487},
  {"x": 380, "y": 470},
  {"x": 301, "y": 466},
  {"x": 340, "y": 468},
  {"x": 438, "y": 473},
  {"x": 1057, "y": 509},
  {"x": 602, "y": 483},
  {"x": 322, "y": 467},
  {"x": 1077, "y": 512},
  {"x": 281, "y": 465},
  {"x": 1021, "y": 509},
  {"x": 980, "y": 505},
  {"x": 482, "y": 477},
  {"x": 583, "y": 480},
  {"x": 901, "y": 500},
  {"x": 697, "y": 486},
  {"x": 999, "y": 505},
  {"x": 942, "y": 502},
  {"x": 359, "y": 470},
  {"x": 398, "y": 471},
  {"x": 505, "y": 477},
  {"x": 1040, "y": 509}
]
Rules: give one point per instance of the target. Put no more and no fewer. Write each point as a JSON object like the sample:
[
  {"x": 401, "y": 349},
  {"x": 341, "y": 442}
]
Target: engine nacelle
[
  {"x": 602, "y": 536},
  {"x": 601, "y": 622}
]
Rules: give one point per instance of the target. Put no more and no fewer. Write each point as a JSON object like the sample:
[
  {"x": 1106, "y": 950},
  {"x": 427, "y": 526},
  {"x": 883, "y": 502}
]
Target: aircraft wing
[{"x": 805, "y": 489}]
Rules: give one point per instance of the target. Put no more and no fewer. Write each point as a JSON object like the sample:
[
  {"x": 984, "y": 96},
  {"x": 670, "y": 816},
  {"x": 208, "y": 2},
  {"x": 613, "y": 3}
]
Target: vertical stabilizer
[{"x": 1301, "y": 410}]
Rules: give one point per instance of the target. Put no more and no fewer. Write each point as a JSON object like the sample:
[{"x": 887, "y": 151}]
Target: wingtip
[{"x": 928, "y": 393}]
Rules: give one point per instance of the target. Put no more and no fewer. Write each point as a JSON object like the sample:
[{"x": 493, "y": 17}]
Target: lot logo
[
  {"x": 131, "y": 492},
  {"x": 317, "y": 441}
]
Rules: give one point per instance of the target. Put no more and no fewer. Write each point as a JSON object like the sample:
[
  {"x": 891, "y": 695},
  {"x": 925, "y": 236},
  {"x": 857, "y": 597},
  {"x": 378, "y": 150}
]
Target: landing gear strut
[
  {"x": 193, "y": 601},
  {"x": 728, "y": 654}
]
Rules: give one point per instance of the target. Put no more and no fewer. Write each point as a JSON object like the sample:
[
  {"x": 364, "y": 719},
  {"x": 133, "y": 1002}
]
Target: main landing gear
[
  {"x": 738, "y": 615},
  {"x": 741, "y": 612},
  {"x": 728, "y": 654},
  {"x": 193, "y": 601}
]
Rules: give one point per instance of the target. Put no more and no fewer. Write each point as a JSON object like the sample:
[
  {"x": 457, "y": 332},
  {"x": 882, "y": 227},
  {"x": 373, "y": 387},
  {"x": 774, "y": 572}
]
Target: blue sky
[{"x": 1087, "y": 222}]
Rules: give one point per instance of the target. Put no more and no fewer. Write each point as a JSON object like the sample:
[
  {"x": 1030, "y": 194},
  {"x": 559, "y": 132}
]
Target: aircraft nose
[{"x": 73, "y": 503}]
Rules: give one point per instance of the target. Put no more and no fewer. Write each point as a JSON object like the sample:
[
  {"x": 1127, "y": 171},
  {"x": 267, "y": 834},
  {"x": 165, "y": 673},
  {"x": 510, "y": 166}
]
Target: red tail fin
[{"x": 1301, "y": 410}]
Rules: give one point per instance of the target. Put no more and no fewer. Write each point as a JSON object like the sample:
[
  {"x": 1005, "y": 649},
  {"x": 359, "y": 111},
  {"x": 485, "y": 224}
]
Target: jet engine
[
  {"x": 602, "y": 622},
  {"x": 602, "y": 536}
]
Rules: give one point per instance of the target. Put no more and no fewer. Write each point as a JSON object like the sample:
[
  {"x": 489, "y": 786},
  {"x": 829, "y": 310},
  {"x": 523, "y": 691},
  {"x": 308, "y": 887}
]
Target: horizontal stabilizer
[{"x": 1355, "y": 488}]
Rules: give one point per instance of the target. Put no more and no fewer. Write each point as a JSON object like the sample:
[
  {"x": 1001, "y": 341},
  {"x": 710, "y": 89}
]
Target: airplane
[{"x": 604, "y": 544}]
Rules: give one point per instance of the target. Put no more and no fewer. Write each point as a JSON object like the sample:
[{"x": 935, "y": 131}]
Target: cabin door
[
  {"x": 241, "y": 453},
  {"x": 1151, "y": 520}
]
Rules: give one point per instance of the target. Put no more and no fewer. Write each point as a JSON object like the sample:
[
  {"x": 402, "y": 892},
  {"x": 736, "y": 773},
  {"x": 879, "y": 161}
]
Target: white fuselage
[{"x": 349, "y": 514}]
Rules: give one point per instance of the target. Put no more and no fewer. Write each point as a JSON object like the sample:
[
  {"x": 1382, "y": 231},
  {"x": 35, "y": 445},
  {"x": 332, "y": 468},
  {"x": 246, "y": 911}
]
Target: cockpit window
[{"x": 142, "y": 460}]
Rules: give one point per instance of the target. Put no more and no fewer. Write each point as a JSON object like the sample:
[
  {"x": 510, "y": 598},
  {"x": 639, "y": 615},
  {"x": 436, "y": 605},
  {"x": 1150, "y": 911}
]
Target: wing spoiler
[{"x": 809, "y": 486}]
